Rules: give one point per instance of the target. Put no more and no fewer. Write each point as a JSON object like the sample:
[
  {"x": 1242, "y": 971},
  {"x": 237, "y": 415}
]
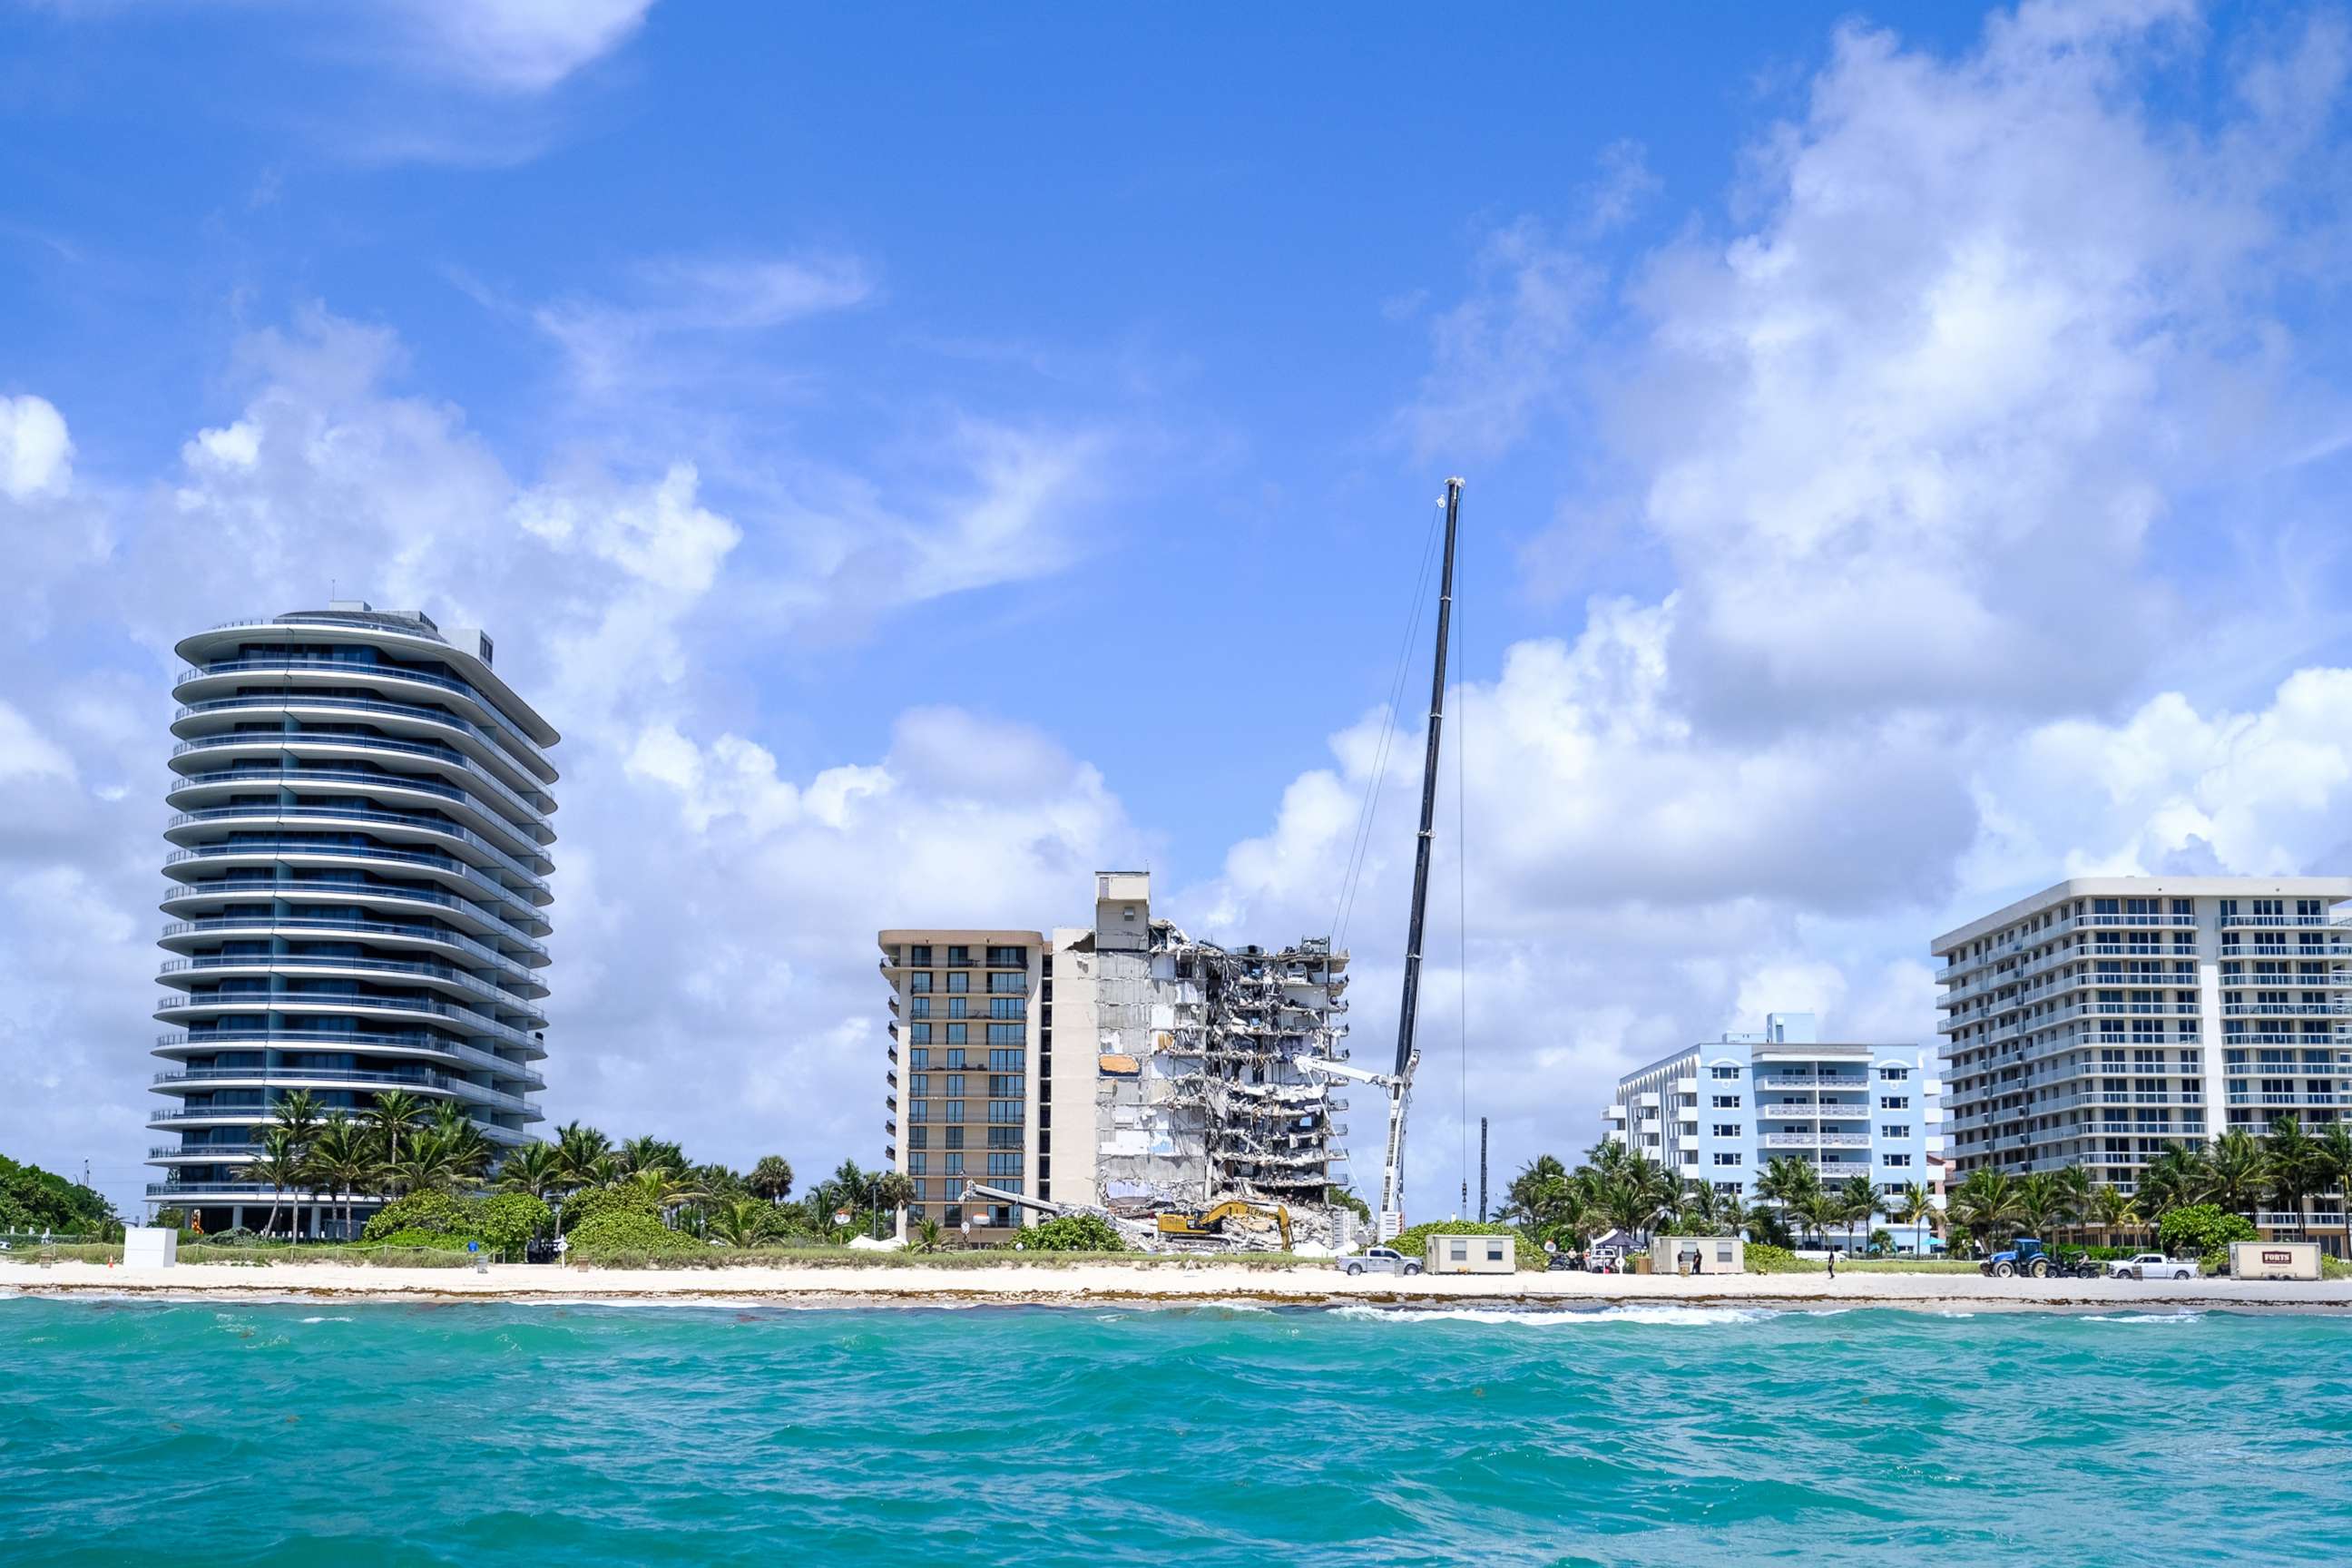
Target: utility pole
[
  {"x": 1393, "y": 1173},
  {"x": 1482, "y": 1170}
]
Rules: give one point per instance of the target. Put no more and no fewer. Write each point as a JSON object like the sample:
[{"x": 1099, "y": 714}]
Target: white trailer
[{"x": 2274, "y": 1260}]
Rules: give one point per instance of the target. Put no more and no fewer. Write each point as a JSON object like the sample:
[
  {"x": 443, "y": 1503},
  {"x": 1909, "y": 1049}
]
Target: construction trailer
[{"x": 1472, "y": 1254}]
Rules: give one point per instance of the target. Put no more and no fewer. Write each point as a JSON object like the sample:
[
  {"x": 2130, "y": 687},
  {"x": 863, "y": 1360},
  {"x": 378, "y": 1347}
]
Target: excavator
[{"x": 1209, "y": 1224}]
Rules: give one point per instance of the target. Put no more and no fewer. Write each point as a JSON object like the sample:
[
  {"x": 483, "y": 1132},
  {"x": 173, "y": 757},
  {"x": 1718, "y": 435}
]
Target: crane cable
[
  {"x": 1359, "y": 846},
  {"x": 1461, "y": 861}
]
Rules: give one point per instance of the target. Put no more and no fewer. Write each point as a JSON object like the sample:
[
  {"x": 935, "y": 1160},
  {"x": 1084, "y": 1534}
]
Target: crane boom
[{"x": 1391, "y": 1214}]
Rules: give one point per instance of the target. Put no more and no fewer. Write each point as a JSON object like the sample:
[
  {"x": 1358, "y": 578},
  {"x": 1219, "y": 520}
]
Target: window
[
  {"x": 1008, "y": 1006},
  {"x": 1001, "y": 1085},
  {"x": 918, "y": 1084},
  {"x": 955, "y": 1164},
  {"x": 919, "y": 1007},
  {"x": 1005, "y": 1137},
  {"x": 1011, "y": 983},
  {"x": 1008, "y": 958},
  {"x": 955, "y": 1059},
  {"x": 955, "y": 1138},
  {"x": 1726, "y": 1102},
  {"x": 918, "y": 1163},
  {"x": 1724, "y": 1158},
  {"x": 958, "y": 1032},
  {"x": 920, "y": 1057},
  {"x": 1898, "y": 1158},
  {"x": 918, "y": 956},
  {"x": 1726, "y": 1130},
  {"x": 1893, "y": 1130},
  {"x": 1007, "y": 1034},
  {"x": 1004, "y": 1061},
  {"x": 918, "y": 1034},
  {"x": 1005, "y": 1111},
  {"x": 1004, "y": 1164},
  {"x": 1894, "y": 1102},
  {"x": 1724, "y": 1072},
  {"x": 958, "y": 1007},
  {"x": 952, "y": 1109},
  {"x": 1893, "y": 1075},
  {"x": 918, "y": 1110},
  {"x": 918, "y": 1137},
  {"x": 958, "y": 983},
  {"x": 954, "y": 1090},
  {"x": 920, "y": 985},
  {"x": 959, "y": 958}
]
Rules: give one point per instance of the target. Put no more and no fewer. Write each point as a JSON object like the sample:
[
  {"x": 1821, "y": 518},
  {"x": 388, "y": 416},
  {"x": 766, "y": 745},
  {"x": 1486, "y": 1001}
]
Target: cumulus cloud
[{"x": 36, "y": 454}]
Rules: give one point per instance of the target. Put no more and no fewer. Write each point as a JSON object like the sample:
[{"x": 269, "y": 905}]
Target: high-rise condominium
[
  {"x": 2105, "y": 1020},
  {"x": 357, "y": 892}
]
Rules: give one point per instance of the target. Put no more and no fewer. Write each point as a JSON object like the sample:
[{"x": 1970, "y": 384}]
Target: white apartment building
[
  {"x": 1723, "y": 1110},
  {"x": 2107, "y": 1018}
]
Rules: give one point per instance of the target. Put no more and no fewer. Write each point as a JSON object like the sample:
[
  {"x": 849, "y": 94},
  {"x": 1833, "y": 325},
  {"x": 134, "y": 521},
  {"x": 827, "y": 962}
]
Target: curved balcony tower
[{"x": 356, "y": 891}]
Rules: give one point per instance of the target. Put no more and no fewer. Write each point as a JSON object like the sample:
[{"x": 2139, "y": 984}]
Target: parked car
[
  {"x": 2152, "y": 1266},
  {"x": 1381, "y": 1260}
]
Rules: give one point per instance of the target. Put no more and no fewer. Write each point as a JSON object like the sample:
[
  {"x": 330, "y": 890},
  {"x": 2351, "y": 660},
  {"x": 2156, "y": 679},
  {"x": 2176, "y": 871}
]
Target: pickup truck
[
  {"x": 2151, "y": 1265},
  {"x": 1379, "y": 1260}
]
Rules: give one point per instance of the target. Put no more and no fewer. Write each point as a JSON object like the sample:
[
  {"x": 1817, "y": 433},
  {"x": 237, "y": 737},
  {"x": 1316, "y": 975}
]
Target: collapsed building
[
  {"x": 1178, "y": 1086},
  {"x": 1199, "y": 1094}
]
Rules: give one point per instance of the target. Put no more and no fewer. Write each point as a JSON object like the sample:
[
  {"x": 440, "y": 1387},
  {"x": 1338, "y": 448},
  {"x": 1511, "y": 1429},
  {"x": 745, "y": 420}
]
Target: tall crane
[{"x": 1398, "y": 1083}]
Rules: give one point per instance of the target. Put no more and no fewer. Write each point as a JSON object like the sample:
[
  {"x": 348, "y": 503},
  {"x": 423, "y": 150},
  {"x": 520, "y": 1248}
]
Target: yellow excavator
[{"x": 1209, "y": 1224}]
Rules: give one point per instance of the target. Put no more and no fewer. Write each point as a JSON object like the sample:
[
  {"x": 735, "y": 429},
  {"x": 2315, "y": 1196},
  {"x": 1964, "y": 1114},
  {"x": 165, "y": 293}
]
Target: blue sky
[{"x": 1905, "y": 462}]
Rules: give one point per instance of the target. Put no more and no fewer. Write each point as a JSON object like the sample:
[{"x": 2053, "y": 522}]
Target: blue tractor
[{"x": 2025, "y": 1255}]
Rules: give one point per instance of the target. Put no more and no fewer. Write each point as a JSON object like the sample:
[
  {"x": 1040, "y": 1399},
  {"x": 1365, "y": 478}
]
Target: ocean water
[{"x": 231, "y": 1434}]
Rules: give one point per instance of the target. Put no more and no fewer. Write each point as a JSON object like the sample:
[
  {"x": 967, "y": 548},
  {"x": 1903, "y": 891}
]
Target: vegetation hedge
[
  {"x": 583, "y": 1207},
  {"x": 616, "y": 1233},
  {"x": 1414, "y": 1243},
  {"x": 417, "y": 1237},
  {"x": 2205, "y": 1230},
  {"x": 1073, "y": 1233},
  {"x": 506, "y": 1222},
  {"x": 1764, "y": 1258},
  {"x": 435, "y": 1212}
]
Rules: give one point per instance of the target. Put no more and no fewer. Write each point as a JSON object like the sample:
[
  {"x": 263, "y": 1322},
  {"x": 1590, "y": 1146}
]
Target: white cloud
[
  {"x": 521, "y": 46},
  {"x": 35, "y": 453},
  {"x": 25, "y": 752}
]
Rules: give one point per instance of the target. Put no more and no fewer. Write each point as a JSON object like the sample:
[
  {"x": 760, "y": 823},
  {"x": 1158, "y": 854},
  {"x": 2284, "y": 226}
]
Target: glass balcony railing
[
  {"x": 275, "y": 812},
  {"x": 452, "y": 1053},
  {"x": 534, "y": 838},
  {"x": 357, "y": 671},
  {"x": 533, "y": 803},
  {"x": 272, "y": 848},
  {"x": 332, "y": 888},
  {"x": 505, "y": 744},
  {"x": 336, "y": 1002},
  {"x": 274, "y": 962},
  {"x": 269, "y": 925}
]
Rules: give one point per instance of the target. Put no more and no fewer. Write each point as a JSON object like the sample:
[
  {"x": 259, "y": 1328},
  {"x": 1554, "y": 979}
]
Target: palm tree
[
  {"x": 1859, "y": 1201},
  {"x": 435, "y": 1163},
  {"x": 2110, "y": 1208},
  {"x": 1821, "y": 1209},
  {"x": 298, "y": 1112},
  {"x": 578, "y": 1149},
  {"x": 772, "y": 1178},
  {"x": 1788, "y": 1183},
  {"x": 392, "y": 1114},
  {"x": 2075, "y": 1189},
  {"x": 2174, "y": 1178},
  {"x": 2332, "y": 1164},
  {"x": 280, "y": 1164},
  {"x": 1986, "y": 1203},
  {"x": 928, "y": 1235},
  {"x": 2039, "y": 1200},
  {"x": 534, "y": 1168},
  {"x": 1912, "y": 1206},
  {"x": 893, "y": 1190},
  {"x": 2235, "y": 1172},
  {"x": 342, "y": 1159},
  {"x": 650, "y": 1153},
  {"x": 742, "y": 1222},
  {"x": 2292, "y": 1157}
]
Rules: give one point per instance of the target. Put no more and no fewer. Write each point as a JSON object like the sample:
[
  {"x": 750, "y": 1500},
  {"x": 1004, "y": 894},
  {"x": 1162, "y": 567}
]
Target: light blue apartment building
[{"x": 1720, "y": 1112}]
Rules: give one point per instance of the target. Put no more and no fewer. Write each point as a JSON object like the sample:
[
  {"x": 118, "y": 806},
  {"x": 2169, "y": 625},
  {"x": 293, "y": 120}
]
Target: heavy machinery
[
  {"x": 1209, "y": 1224},
  {"x": 2025, "y": 1255}
]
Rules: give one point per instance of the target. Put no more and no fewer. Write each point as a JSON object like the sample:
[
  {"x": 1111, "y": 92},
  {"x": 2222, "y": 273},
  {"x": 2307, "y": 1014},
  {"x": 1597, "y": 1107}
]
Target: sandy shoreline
[{"x": 1110, "y": 1283}]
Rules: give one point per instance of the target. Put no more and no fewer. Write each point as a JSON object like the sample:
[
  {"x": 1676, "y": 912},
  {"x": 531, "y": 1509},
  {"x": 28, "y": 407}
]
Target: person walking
[{"x": 1832, "y": 1262}]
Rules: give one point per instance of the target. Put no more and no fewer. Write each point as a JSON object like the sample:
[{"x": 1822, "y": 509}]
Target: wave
[
  {"x": 2181, "y": 1315},
  {"x": 1670, "y": 1316},
  {"x": 326, "y": 1320}
]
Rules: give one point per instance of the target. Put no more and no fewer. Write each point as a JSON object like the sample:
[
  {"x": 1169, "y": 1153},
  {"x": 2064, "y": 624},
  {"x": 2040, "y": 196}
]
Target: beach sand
[{"x": 1202, "y": 1283}]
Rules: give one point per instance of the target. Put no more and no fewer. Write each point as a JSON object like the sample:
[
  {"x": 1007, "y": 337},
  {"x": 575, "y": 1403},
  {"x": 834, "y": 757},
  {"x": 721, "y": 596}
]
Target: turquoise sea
[{"x": 232, "y": 1434}]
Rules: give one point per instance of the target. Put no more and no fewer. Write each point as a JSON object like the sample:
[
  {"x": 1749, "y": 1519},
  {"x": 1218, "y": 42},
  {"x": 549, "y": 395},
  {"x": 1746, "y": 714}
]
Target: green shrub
[
  {"x": 508, "y": 1221},
  {"x": 429, "y": 1211},
  {"x": 1763, "y": 1258},
  {"x": 593, "y": 1203},
  {"x": 1073, "y": 1233},
  {"x": 619, "y": 1232},
  {"x": 2203, "y": 1229},
  {"x": 415, "y": 1237},
  {"x": 1414, "y": 1243}
]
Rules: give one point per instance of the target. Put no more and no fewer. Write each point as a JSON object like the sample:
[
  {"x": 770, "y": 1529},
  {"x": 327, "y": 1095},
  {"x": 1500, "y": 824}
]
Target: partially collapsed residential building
[{"x": 1178, "y": 1083}]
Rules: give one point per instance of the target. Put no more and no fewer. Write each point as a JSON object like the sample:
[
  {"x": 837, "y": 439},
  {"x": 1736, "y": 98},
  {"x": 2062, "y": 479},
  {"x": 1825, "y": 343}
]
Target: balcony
[
  {"x": 2287, "y": 1009},
  {"x": 2257, "y": 1097},
  {"x": 174, "y": 1009},
  {"x": 200, "y": 893},
  {"x": 450, "y": 872},
  {"x": 302, "y": 964},
  {"x": 237, "y": 669},
  {"x": 1826, "y": 1085},
  {"x": 505, "y": 747},
  {"x": 530, "y": 805},
  {"x": 2261, "y": 923},
  {"x": 1815, "y": 1140},
  {"x": 298, "y": 816},
  {"x": 2288, "y": 1219}
]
